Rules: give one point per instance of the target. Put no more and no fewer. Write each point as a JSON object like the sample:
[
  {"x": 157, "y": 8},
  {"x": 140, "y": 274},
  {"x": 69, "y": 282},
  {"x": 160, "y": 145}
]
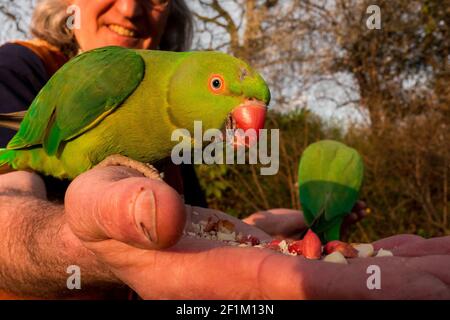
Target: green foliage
[
  {"x": 78, "y": 104},
  {"x": 406, "y": 181}
]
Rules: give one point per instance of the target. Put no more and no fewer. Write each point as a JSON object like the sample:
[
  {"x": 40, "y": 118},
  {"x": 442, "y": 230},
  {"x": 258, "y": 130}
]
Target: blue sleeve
[{"x": 22, "y": 75}]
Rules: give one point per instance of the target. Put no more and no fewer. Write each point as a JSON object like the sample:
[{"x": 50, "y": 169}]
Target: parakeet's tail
[
  {"x": 327, "y": 231},
  {"x": 11, "y": 120},
  {"x": 5, "y": 156}
]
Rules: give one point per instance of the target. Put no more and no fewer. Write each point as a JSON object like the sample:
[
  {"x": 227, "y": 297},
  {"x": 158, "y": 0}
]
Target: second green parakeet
[
  {"x": 114, "y": 100},
  {"x": 330, "y": 175}
]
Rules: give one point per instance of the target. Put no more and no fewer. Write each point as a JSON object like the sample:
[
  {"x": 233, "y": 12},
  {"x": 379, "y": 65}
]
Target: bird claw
[{"x": 119, "y": 160}]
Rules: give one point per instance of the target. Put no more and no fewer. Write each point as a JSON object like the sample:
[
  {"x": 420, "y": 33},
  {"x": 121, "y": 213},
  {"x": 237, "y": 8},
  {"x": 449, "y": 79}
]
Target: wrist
[{"x": 36, "y": 248}]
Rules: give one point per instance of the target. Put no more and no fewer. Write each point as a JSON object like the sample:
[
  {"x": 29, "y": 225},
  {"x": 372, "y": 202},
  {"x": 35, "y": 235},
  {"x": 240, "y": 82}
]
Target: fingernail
[{"x": 145, "y": 214}]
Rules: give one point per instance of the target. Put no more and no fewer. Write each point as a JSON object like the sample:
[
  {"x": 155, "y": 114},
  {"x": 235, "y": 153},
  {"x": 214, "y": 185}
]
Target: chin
[{"x": 126, "y": 42}]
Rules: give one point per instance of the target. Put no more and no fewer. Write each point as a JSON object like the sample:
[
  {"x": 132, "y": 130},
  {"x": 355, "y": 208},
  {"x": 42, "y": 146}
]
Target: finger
[
  {"x": 278, "y": 222},
  {"x": 359, "y": 211},
  {"x": 350, "y": 219},
  {"x": 359, "y": 205},
  {"x": 211, "y": 272},
  {"x": 23, "y": 182},
  {"x": 202, "y": 214},
  {"x": 249, "y": 273},
  {"x": 396, "y": 241},
  {"x": 118, "y": 203},
  {"x": 437, "y": 265},
  {"x": 399, "y": 278},
  {"x": 423, "y": 247}
]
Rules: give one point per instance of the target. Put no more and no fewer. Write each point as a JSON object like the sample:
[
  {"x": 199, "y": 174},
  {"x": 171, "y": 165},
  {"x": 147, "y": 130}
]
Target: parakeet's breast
[{"x": 139, "y": 128}]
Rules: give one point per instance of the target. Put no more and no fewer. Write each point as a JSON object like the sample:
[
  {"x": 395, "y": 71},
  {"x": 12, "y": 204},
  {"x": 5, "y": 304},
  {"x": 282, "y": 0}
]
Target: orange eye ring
[{"x": 216, "y": 83}]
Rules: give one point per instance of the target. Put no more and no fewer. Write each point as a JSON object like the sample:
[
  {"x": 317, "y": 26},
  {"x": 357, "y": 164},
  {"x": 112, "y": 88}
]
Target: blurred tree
[
  {"x": 399, "y": 78},
  {"x": 396, "y": 69},
  {"x": 401, "y": 69},
  {"x": 15, "y": 16}
]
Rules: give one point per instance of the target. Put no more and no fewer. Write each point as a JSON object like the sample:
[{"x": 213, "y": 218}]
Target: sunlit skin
[
  {"x": 196, "y": 269},
  {"x": 137, "y": 24},
  {"x": 101, "y": 210}
]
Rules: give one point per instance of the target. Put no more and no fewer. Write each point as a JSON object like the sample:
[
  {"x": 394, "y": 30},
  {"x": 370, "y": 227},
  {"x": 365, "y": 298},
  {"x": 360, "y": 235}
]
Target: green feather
[
  {"x": 330, "y": 176},
  {"x": 115, "y": 100},
  {"x": 69, "y": 105}
]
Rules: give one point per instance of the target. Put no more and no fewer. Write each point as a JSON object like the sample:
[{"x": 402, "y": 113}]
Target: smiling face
[{"x": 137, "y": 24}]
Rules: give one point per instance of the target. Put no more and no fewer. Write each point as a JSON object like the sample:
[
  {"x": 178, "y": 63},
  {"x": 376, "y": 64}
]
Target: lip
[
  {"x": 249, "y": 117},
  {"x": 123, "y": 30}
]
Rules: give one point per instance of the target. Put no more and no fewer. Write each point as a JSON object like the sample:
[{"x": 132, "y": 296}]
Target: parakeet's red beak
[{"x": 249, "y": 115}]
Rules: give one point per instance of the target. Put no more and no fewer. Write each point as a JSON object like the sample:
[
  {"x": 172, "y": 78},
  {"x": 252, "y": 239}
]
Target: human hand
[
  {"x": 291, "y": 224},
  {"x": 34, "y": 229},
  {"x": 23, "y": 183},
  {"x": 24, "y": 200},
  {"x": 199, "y": 269}
]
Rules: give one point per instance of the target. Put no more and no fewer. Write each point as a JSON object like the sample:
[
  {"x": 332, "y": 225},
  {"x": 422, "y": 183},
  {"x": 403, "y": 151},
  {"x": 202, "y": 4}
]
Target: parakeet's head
[{"x": 218, "y": 89}]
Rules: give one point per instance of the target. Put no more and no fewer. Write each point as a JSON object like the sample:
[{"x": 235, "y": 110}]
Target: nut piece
[
  {"x": 335, "y": 257},
  {"x": 296, "y": 247},
  {"x": 346, "y": 249},
  {"x": 248, "y": 239},
  {"x": 211, "y": 225},
  {"x": 225, "y": 226},
  {"x": 283, "y": 246},
  {"x": 365, "y": 250},
  {"x": 274, "y": 244},
  {"x": 311, "y": 246},
  {"x": 226, "y": 236},
  {"x": 384, "y": 253}
]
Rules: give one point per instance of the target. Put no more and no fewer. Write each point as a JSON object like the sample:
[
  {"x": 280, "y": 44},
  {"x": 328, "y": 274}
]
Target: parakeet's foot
[
  {"x": 5, "y": 169},
  {"x": 118, "y": 160}
]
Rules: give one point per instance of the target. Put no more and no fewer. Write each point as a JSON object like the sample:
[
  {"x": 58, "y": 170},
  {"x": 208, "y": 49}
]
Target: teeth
[{"x": 122, "y": 31}]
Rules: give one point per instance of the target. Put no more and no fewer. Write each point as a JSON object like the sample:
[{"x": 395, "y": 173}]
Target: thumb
[{"x": 119, "y": 203}]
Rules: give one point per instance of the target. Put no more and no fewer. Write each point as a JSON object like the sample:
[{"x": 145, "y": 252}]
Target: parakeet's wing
[
  {"x": 330, "y": 176},
  {"x": 78, "y": 96}
]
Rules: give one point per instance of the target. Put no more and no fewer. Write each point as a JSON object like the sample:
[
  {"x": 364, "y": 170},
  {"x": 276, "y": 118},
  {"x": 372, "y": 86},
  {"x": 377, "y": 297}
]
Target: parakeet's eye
[{"x": 216, "y": 83}]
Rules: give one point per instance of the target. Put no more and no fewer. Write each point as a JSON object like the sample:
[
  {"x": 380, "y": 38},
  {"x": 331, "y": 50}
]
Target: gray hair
[{"x": 50, "y": 16}]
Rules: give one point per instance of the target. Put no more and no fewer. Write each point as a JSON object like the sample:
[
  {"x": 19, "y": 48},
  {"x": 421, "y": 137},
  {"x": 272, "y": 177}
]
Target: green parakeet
[
  {"x": 114, "y": 100},
  {"x": 330, "y": 176}
]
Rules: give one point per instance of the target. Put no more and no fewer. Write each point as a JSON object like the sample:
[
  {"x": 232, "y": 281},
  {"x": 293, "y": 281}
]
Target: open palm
[{"x": 97, "y": 206}]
